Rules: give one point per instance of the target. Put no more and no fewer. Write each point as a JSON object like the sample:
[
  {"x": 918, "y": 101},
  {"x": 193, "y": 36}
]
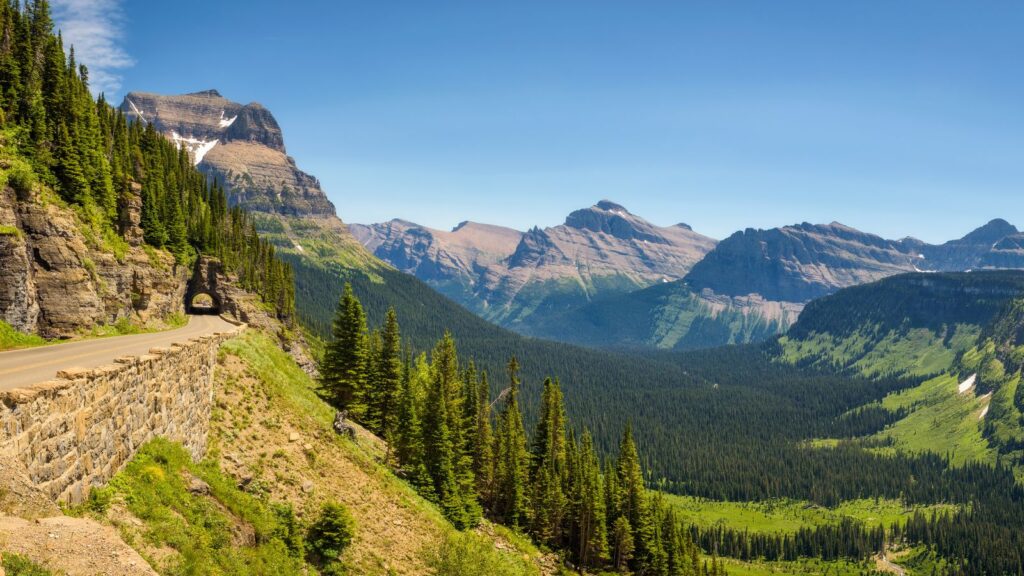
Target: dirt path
[
  {"x": 885, "y": 565},
  {"x": 73, "y": 546}
]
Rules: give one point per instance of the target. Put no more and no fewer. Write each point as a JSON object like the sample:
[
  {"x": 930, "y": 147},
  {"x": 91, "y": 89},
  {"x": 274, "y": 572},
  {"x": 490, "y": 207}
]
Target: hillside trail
[{"x": 885, "y": 565}]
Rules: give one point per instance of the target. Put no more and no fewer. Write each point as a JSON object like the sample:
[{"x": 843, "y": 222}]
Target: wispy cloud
[{"x": 94, "y": 28}]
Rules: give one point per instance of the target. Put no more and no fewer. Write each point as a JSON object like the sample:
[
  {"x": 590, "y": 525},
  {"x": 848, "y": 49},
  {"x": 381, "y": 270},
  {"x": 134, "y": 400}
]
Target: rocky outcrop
[
  {"x": 77, "y": 431},
  {"x": 990, "y": 246},
  {"x": 507, "y": 275},
  {"x": 242, "y": 146},
  {"x": 798, "y": 263},
  {"x": 56, "y": 284}
]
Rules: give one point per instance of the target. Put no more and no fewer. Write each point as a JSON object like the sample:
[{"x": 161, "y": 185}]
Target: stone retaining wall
[{"x": 77, "y": 431}]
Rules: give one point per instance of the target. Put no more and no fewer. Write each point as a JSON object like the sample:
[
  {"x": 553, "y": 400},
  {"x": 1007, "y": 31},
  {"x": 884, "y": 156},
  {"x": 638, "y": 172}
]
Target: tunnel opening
[{"x": 202, "y": 303}]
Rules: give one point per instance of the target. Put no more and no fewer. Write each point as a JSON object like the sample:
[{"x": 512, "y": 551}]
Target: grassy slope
[
  {"x": 939, "y": 419},
  {"x": 667, "y": 316},
  {"x": 266, "y": 398},
  {"x": 778, "y": 516},
  {"x": 931, "y": 327},
  {"x": 271, "y": 444},
  {"x": 11, "y": 338}
]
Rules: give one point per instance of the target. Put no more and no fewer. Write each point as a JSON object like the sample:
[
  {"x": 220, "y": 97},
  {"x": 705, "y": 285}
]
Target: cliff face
[
  {"x": 798, "y": 263},
  {"x": 240, "y": 145},
  {"x": 55, "y": 284}
]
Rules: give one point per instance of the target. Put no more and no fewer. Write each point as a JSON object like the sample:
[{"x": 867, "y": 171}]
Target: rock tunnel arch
[{"x": 202, "y": 295}]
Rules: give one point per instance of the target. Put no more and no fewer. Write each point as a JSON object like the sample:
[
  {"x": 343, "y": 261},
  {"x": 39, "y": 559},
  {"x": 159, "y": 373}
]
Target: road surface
[{"x": 20, "y": 368}]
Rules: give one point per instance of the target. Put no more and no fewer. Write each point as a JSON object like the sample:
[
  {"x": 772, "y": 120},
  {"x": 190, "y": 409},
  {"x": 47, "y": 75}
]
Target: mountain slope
[
  {"x": 517, "y": 278},
  {"x": 798, "y": 263},
  {"x": 957, "y": 338},
  {"x": 756, "y": 282},
  {"x": 240, "y": 145}
]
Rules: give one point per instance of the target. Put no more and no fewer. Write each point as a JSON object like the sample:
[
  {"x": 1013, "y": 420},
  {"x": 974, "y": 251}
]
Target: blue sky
[{"x": 899, "y": 118}]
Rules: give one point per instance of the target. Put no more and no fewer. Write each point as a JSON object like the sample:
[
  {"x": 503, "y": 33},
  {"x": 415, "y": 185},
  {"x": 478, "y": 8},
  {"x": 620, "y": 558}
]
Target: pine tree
[
  {"x": 511, "y": 458},
  {"x": 440, "y": 445},
  {"x": 382, "y": 409},
  {"x": 622, "y": 543},
  {"x": 547, "y": 464},
  {"x": 589, "y": 535},
  {"x": 632, "y": 499},
  {"x": 343, "y": 369},
  {"x": 483, "y": 445}
]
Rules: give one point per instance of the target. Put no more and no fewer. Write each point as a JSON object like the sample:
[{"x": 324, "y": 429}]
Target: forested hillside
[{"x": 104, "y": 167}]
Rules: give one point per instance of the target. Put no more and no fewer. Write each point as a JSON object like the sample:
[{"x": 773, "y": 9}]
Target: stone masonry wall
[{"x": 79, "y": 430}]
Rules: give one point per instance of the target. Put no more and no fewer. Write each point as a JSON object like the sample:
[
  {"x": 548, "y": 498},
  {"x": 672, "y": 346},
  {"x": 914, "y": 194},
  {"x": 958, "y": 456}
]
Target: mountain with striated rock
[
  {"x": 994, "y": 245},
  {"x": 510, "y": 276},
  {"x": 240, "y": 145},
  {"x": 798, "y": 263},
  {"x": 756, "y": 283}
]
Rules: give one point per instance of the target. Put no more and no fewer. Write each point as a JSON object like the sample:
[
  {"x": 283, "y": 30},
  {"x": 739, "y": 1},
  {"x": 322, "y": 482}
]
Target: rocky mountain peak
[
  {"x": 992, "y": 232},
  {"x": 241, "y": 145},
  {"x": 613, "y": 219},
  {"x": 611, "y": 206}
]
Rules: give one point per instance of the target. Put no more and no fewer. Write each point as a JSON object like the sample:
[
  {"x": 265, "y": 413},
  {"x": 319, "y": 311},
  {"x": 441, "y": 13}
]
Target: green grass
[
  {"x": 11, "y": 338},
  {"x": 9, "y": 231},
  {"x": 916, "y": 352},
  {"x": 282, "y": 377},
  {"x": 802, "y": 567},
  {"x": 941, "y": 420},
  {"x": 18, "y": 565},
  {"x": 286, "y": 385},
  {"x": 203, "y": 530},
  {"x": 787, "y": 516}
]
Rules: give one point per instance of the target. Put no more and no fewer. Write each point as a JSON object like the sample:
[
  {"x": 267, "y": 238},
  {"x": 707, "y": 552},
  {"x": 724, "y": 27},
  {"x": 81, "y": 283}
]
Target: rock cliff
[
  {"x": 240, "y": 145},
  {"x": 58, "y": 279}
]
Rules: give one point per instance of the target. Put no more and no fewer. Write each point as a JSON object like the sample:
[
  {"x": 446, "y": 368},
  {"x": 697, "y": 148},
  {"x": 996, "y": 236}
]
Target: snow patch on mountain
[
  {"x": 225, "y": 122},
  {"x": 196, "y": 148},
  {"x": 966, "y": 384}
]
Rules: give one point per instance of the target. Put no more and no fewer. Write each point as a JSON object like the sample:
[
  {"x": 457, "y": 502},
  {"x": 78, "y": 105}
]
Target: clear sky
[{"x": 899, "y": 118}]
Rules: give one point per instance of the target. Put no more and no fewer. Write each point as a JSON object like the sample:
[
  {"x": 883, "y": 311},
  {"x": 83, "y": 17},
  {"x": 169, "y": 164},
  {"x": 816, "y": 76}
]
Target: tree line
[
  {"x": 103, "y": 165},
  {"x": 470, "y": 454}
]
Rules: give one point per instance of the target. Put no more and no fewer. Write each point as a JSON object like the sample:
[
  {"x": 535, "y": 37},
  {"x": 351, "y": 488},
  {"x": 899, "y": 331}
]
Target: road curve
[{"x": 20, "y": 368}]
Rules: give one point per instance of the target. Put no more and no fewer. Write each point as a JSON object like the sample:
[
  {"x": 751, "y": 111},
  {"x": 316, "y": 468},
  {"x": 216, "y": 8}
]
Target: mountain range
[
  {"x": 610, "y": 278},
  {"x": 513, "y": 277}
]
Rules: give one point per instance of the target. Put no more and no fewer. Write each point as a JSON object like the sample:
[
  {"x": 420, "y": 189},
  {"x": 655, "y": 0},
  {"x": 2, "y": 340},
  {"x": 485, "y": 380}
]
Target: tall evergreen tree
[
  {"x": 589, "y": 536},
  {"x": 511, "y": 469},
  {"x": 547, "y": 466},
  {"x": 382, "y": 407},
  {"x": 633, "y": 504},
  {"x": 483, "y": 445},
  {"x": 343, "y": 369}
]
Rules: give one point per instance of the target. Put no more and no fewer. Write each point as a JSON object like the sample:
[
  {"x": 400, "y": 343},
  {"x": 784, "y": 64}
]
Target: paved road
[{"x": 32, "y": 365}]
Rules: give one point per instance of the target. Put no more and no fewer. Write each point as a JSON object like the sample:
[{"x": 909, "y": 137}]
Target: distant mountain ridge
[
  {"x": 745, "y": 288},
  {"x": 509, "y": 276}
]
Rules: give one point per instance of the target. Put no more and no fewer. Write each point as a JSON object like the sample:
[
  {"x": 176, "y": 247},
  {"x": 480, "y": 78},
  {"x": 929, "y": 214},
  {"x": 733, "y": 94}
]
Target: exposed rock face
[
  {"x": 991, "y": 246},
  {"x": 55, "y": 285},
  {"x": 508, "y": 276},
  {"x": 798, "y": 263},
  {"x": 241, "y": 145},
  {"x": 458, "y": 260}
]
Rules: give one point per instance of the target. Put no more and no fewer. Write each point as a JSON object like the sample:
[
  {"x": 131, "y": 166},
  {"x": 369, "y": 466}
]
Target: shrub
[
  {"x": 331, "y": 533},
  {"x": 99, "y": 499},
  {"x": 22, "y": 180},
  {"x": 466, "y": 554},
  {"x": 18, "y": 565}
]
